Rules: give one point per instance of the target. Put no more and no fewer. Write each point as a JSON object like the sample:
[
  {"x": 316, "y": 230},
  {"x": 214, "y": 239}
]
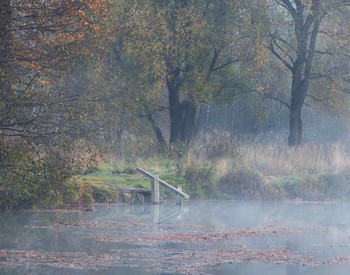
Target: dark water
[{"x": 215, "y": 237}]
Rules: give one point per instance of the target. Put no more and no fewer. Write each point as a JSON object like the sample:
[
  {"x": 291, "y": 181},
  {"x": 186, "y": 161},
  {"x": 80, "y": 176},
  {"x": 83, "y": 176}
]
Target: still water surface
[{"x": 202, "y": 237}]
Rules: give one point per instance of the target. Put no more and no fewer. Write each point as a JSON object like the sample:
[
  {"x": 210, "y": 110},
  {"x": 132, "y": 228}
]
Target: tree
[
  {"x": 41, "y": 41},
  {"x": 295, "y": 42},
  {"x": 188, "y": 47}
]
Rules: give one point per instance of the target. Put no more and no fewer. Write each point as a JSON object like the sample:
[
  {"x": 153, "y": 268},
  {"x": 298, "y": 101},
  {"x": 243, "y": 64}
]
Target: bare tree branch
[
  {"x": 289, "y": 7},
  {"x": 272, "y": 50},
  {"x": 277, "y": 99}
]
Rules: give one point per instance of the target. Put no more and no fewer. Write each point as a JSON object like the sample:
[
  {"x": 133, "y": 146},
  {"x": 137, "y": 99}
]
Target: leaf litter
[{"x": 196, "y": 248}]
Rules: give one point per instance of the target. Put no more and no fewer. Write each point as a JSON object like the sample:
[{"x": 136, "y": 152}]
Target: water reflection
[
  {"x": 204, "y": 237},
  {"x": 292, "y": 270}
]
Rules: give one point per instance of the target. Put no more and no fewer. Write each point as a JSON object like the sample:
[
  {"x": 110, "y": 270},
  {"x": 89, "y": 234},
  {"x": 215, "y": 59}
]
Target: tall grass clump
[
  {"x": 300, "y": 160},
  {"x": 309, "y": 171}
]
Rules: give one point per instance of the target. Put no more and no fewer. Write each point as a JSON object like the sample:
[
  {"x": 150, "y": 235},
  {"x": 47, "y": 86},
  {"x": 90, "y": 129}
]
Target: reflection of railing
[
  {"x": 176, "y": 214},
  {"x": 155, "y": 181}
]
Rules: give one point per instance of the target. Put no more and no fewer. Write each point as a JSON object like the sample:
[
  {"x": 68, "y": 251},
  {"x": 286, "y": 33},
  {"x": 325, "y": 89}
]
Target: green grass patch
[{"x": 117, "y": 179}]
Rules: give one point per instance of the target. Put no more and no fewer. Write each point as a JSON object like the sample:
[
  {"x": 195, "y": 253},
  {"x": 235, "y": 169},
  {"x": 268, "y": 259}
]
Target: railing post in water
[
  {"x": 155, "y": 213},
  {"x": 179, "y": 199},
  {"x": 155, "y": 189}
]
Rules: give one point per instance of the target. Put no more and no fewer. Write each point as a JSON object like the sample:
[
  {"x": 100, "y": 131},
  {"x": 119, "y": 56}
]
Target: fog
[
  {"x": 202, "y": 237},
  {"x": 270, "y": 125},
  {"x": 235, "y": 102}
]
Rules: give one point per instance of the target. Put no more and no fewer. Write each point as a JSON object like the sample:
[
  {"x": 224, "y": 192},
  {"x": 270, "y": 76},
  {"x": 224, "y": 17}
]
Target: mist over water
[{"x": 203, "y": 237}]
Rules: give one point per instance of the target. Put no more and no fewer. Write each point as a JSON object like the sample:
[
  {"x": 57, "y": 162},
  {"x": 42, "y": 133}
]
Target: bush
[
  {"x": 105, "y": 195},
  {"x": 201, "y": 181},
  {"x": 33, "y": 177},
  {"x": 245, "y": 184}
]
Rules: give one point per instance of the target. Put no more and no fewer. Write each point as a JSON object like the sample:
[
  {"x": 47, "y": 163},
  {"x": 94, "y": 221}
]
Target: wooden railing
[{"x": 156, "y": 181}]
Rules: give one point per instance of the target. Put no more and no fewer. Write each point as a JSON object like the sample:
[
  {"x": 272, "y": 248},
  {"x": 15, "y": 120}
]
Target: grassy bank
[
  {"x": 208, "y": 170},
  {"x": 221, "y": 170}
]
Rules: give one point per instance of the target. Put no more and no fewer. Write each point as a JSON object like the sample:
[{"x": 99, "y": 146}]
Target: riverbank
[
  {"x": 213, "y": 170},
  {"x": 257, "y": 172}
]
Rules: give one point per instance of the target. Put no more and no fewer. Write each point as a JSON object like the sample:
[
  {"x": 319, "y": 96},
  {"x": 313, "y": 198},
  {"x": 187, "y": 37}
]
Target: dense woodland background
[{"x": 89, "y": 78}]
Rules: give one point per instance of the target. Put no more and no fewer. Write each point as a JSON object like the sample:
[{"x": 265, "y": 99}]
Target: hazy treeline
[{"x": 161, "y": 71}]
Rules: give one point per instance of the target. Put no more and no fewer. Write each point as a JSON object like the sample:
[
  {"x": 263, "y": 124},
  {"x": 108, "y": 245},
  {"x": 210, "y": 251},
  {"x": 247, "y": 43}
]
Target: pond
[{"x": 201, "y": 237}]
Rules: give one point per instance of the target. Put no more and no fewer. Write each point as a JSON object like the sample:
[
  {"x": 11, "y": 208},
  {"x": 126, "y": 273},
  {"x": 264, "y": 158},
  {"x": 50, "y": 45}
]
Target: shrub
[
  {"x": 105, "y": 195},
  {"x": 246, "y": 184},
  {"x": 31, "y": 176},
  {"x": 201, "y": 181}
]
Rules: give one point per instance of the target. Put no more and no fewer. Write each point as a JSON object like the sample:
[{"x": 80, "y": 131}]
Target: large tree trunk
[
  {"x": 175, "y": 107},
  {"x": 295, "y": 129},
  {"x": 188, "y": 122},
  {"x": 5, "y": 72},
  {"x": 182, "y": 114},
  {"x": 5, "y": 43},
  {"x": 299, "y": 91},
  {"x": 5, "y": 15}
]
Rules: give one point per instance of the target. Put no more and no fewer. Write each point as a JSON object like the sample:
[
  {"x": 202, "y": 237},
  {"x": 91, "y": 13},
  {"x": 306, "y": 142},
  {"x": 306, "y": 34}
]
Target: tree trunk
[
  {"x": 307, "y": 21},
  {"x": 5, "y": 72},
  {"x": 182, "y": 114},
  {"x": 5, "y": 15},
  {"x": 298, "y": 94},
  {"x": 175, "y": 107},
  {"x": 5, "y": 43},
  {"x": 188, "y": 121},
  {"x": 295, "y": 131},
  {"x": 156, "y": 130}
]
